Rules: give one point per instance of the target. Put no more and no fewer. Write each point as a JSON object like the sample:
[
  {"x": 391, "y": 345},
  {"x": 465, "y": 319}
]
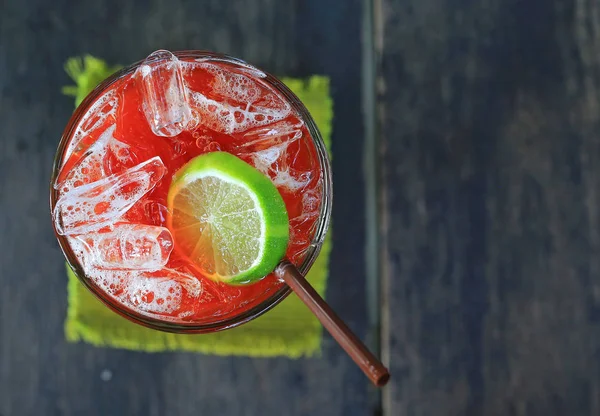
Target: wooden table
[{"x": 467, "y": 206}]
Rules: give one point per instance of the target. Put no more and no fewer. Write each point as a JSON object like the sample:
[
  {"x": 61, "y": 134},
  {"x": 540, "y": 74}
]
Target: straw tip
[{"x": 382, "y": 379}]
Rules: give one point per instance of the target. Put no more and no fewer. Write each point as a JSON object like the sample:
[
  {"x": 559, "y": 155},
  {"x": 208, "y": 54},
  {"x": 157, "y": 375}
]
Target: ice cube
[
  {"x": 277, "y": 163},
  {"x": 98, "y": 204},
  {"x": 238, "y": 65},
  {"x": 101, "y": 114},
  {"x": 104, "y": 157},
  {"x": 310, "y": 205},
  {"x": 238, "y": 101},
  {"x": 118, "y": 158},
  {"x": 150, "y": 294},
  {"x": 291, "y": 180},
  {"x": 80, "y": 251},
  {"x": 155, "y": 212},
  {"x": 147, "y": 211},
  {"x": 263, "y": 138},
  {"x": 129, "y": 246},
  {"x": 160, "y": 291},
  {"x": 303, "y": 224},
  {"x": 274, "y": 150},
  {"x": 263, "y": 160},
  {"x": 164, "y": 94},
  {"x": 308, "y": 214}
]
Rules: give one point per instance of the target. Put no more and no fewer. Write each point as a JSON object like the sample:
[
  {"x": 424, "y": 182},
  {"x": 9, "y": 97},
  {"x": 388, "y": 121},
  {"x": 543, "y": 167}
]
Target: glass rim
[{"x": 257, "y": 310}]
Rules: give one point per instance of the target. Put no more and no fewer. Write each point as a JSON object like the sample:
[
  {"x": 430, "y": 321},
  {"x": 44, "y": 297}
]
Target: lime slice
[{"x": 227, "y": 218}]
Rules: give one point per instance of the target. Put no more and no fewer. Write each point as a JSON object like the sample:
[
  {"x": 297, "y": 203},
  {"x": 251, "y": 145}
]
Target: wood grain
[
  {"x": 490, "y": 124},
  {"x": 40, "y": 374}
]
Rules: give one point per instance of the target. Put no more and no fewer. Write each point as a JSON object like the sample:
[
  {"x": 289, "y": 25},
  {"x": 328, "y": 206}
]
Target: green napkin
[{"x": 287, "y": 330}]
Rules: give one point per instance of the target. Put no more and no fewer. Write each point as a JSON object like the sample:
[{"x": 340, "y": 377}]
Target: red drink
[{"x": 114, "y": 171}]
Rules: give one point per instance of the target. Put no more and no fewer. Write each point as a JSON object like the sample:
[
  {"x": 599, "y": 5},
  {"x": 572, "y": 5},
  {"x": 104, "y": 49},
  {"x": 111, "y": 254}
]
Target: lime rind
[{"x": 231, "y": 227}]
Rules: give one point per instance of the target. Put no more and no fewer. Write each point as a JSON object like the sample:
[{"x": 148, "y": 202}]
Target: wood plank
[
  {"x": 39, "y": 372},
  {"x": 489, "y": 120}
]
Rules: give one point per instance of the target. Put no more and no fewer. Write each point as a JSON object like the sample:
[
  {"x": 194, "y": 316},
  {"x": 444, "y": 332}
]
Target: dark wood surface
[
  {"x": 490, "y": 122},
  {"x": 488, "y": 130},
  {"x": 40, "y": 374}
]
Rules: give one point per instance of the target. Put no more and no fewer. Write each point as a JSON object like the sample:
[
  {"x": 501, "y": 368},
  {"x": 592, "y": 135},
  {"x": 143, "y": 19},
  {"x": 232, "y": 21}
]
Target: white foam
[
  {"x": 98, "y": 204},
  {"x": 145, "y": 69},
  {"x": 80, "y": 251}
]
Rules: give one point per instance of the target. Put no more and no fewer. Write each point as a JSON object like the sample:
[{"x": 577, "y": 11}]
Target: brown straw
[{"x": 367, "y": 362}]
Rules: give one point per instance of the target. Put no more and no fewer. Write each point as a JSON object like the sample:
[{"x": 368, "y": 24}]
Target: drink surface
[{"x": 117, "y": 168}]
